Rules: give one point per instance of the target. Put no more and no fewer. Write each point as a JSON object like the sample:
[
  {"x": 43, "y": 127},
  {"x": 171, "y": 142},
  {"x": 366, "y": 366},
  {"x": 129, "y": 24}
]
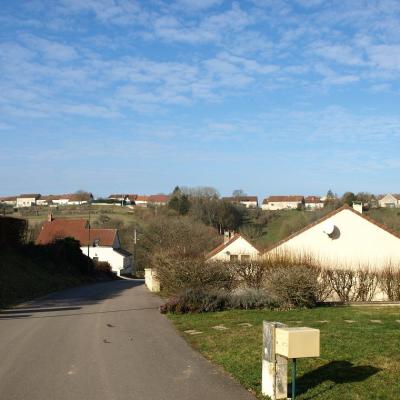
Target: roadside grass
[{"x": 359, "y": 360}]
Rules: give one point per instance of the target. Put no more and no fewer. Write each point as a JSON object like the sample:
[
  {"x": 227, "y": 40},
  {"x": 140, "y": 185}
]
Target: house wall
[
  {"x": 239, "y": 247},
  {"x": 281, "y": 205},
  {"x": 314, "y": 206},
  {"x": 249, "y": 204},
  {"x": 25, "y": 201},
  {"x": 115, "y": 259},
  {"x": 388, "y": 200},
  {"x": 358, "y": 243}
]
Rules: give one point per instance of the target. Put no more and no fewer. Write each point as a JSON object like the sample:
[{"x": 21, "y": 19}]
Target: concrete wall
[
  {"x": 356, "y": 242},
  {"x": 151, "y": 280},
  {"x": 239, "y": 247}
]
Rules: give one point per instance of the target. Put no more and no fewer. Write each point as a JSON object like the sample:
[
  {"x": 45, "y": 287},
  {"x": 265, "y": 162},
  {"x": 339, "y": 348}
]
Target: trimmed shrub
[
  {"x": 294, "y": 286},
  {"x": 251, "y": 274},
  {"x": 177, "y": 274},
  {"x": 198, "y": 300},
  {"x": 389, "y": 282}
]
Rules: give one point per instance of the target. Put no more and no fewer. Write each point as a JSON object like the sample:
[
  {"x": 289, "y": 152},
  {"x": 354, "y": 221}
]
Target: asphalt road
[{"x": 104, "y": 341}]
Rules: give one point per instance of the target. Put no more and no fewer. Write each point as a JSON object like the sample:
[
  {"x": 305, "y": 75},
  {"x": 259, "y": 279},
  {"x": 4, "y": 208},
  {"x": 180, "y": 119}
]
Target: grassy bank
[
  {"x": 33, "y": 271},
  {"x": 359, "y": 359}
]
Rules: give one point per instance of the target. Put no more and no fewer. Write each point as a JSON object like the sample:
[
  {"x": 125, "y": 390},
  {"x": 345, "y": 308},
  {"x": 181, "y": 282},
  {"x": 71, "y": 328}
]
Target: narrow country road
[{"x": 104, "y": 341}]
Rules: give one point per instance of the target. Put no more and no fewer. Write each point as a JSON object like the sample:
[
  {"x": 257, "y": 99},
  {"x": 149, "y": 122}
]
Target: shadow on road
[
  {"x": 72, "y": 300},
  {"x": 337, "y": 372}
]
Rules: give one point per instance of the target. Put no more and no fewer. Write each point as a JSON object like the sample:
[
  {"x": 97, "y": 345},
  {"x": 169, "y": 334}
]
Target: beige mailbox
[{"x": 297, "y": 342}]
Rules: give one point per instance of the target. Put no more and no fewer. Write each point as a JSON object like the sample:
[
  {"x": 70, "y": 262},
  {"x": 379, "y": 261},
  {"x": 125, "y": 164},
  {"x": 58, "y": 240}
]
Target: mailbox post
[{"x": 287, "y": 343}]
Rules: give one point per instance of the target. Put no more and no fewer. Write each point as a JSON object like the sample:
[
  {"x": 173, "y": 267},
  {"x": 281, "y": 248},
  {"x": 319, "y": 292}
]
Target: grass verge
[{"x": 360, "y": 349}]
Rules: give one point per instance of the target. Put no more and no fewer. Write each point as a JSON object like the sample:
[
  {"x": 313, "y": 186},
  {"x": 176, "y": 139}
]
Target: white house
[
  {"x": 27, "y": 200},
  {"x": 313, "y": 203},
  {"x": 247, "y": 201},
  {"x": 344, "y": 238},
  {"x": 98, "y": 244},
  {"x": 282, "y": 202},
  {"x": 390, "y": 201},
  {"x": 234, "y": 248},
  {"x": 9, "y": 200}
]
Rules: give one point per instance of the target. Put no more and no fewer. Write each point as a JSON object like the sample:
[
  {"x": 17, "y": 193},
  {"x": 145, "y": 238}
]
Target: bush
[
  {"x": 389, "y": 282},
  {"x": 199, "y": 300},
  {"x": 249, "y": 299},
  {"x": 177, "y": 274},
  {"x": 252, "y": 274},
  {"x": 294, "y": 286}
]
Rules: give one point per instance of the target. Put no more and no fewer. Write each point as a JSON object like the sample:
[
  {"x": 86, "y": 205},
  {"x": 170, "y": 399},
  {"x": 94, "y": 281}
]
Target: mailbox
[{"x": 297, "y": 342}]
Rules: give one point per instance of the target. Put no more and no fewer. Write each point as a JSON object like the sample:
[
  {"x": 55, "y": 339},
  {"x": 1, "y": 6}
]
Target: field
[{"x": 360, "y": 356}]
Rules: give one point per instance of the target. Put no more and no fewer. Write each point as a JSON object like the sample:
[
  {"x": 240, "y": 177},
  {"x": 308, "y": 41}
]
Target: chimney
[
  {"x": 227, "y": 236},
  {"x": 50, "y": 217},
  {"x": 358, "y": 206}
]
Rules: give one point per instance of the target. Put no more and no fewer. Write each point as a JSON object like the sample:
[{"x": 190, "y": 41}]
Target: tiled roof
[
  {"x": 158, "y": 198},
  {"x": 313, "y": 199},
  {"x": 29, "y": 196},
  {"x": 281, "y": 199},
  {"x": 8, "y": 198},
  {"x": 222, "y": 246},
  {"x": 77, "y": 229}
]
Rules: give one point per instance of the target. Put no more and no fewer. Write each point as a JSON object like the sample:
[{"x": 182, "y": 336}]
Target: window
[
  {"x": 245, "y": 257},
  {"x": 234, "y": 257}
]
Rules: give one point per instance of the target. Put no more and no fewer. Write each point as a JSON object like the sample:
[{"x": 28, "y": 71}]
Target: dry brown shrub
[{"x": 389, "y": 282}]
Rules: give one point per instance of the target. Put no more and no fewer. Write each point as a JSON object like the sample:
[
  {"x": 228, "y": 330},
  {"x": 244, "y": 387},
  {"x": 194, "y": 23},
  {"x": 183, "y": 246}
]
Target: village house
[
  {"x": 99, "y": 244},
  {"x": 9, "y": 200},
  {"x": 282, "y": 203},
  {"x": 234, "y": 248},
  {"x": 27, "y": 200},
  {"x": 390, "y": 201},
  {"x": 124, "y": 198},
  {"x": 344, "y": 238},
  {"x": 313, "y": 203},
  {"x": 247, "y": 201}
]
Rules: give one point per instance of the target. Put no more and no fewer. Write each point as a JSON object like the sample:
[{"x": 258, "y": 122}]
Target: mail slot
[{"x": 297, "y": 342}]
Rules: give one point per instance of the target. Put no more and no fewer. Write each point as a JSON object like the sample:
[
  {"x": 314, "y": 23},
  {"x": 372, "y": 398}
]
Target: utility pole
[{"x": 88, "y": 246}]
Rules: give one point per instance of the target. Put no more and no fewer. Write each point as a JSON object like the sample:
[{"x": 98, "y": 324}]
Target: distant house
[
  {"x": 390, "y": 201},
  {"x": 27, "y": 200},
  {"x": 98, "y": 244},
  {"x": 142, "y": 201},
  {"x": 282, "y": 202},
  {"x": 124, "y": 198},
  {"x": 234, "y": 248},
  {"x": 344, "y": 238},
  {"x": 313, "y": 203},
  {"x": 65, "y": 199},
  {"x": 247, "y": 201},
  {"x": 9, "y": 200},
  {"x": 155, "y": 200},
  {"x": 158, "y": 199}
]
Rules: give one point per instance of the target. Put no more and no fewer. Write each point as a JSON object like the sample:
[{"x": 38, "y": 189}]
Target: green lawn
[{"x": 359, "y": 360}]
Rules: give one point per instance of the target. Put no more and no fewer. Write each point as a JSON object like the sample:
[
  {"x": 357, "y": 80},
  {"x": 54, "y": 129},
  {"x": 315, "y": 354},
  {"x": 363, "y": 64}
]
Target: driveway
[{"x": 105, "y": 341}]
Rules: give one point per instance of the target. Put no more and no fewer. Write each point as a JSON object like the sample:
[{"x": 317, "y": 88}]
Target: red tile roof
[
  {"x": 313, "y": 199},
  {"x": 158, "y": 198},
  {"x": 29, "y": 196},
  {"x": 77, "y": 229}
]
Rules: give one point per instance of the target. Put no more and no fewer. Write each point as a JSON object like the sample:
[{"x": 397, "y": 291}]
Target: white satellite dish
[{"x": 329, "y": 227}]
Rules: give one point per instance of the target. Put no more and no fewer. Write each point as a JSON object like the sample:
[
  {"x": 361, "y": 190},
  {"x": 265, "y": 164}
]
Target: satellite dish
[{"x": 329, "y": 227}]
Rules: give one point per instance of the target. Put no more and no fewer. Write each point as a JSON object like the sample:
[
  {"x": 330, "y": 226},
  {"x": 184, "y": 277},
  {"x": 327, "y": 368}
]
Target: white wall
[
  {"x": 239, "y": 247},
  {"x": 360, "y": 243},
  {"x": 108, "y": 254},
  {"x": 388, "y": 200},
  {"x": 314, "y": 206},
  {"x": 25, "y": 201},
  {"x": 281, "y": 205}
]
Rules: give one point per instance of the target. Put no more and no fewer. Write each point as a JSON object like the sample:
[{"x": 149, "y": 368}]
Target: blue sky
[{"x": 268, "y": 96}]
